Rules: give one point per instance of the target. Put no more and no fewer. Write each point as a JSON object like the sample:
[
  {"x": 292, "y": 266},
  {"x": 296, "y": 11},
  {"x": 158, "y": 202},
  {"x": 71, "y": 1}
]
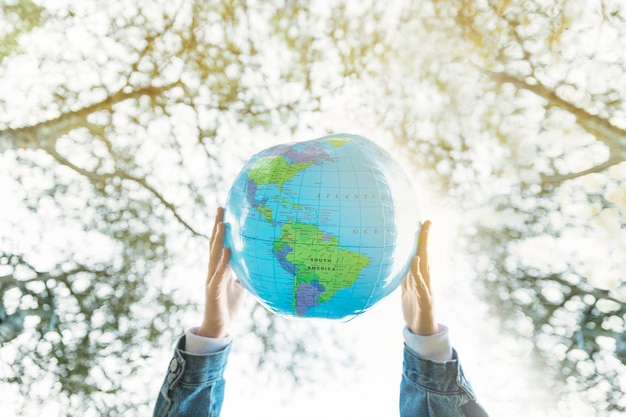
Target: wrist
[
  {"x": 435, "y": 347},
  {"x": 424, "y": 326},
  {"x": 212, "y": 331}
]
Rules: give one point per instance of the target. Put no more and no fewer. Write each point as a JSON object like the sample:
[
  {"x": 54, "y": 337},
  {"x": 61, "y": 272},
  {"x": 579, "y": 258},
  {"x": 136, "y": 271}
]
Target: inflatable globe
[{"x": 324, "y": 228}]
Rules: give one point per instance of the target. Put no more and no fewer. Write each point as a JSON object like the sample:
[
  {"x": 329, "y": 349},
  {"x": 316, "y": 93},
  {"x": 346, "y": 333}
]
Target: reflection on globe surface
[{"x": 323, "y": 228}]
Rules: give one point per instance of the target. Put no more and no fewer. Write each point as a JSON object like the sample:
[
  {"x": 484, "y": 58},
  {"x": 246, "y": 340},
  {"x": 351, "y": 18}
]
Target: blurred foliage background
[{"x": 121, "y": 124}]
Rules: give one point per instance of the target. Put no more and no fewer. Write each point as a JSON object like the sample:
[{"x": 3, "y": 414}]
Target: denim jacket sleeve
[
  {"x": 193, "y": 385},
  {"x": 436, "y": 389}
]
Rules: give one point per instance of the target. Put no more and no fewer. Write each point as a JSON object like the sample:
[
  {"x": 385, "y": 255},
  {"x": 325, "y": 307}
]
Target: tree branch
[
  {"x": 95, "y": 177},
  {"x": 44, "y": 135},
  {"x": 559, "y": 178},
  {"x": 603, "y": 130},
  {"x": 144, "y": 183}
]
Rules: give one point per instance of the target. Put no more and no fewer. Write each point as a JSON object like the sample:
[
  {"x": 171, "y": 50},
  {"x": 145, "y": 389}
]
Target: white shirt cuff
[
  {"x": 200, "y": 345},
  {"x": 435, "y": 347}
]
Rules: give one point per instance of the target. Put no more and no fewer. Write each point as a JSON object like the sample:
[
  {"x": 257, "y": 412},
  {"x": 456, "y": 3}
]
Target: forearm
[
  {"x": 194, "y": 384},
  {"x": 433, "y": 383}
]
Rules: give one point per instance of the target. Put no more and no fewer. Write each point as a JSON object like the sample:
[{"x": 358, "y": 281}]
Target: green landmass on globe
[
  {"x": 319, "y": 265},
  {"x": 273, "y": 170}
]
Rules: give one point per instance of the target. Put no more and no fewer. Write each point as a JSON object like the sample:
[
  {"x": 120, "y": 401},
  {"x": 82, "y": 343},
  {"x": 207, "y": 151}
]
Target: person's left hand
[
  {"x": 417, "y": 298},
  {"x": 223, "y": 293}
]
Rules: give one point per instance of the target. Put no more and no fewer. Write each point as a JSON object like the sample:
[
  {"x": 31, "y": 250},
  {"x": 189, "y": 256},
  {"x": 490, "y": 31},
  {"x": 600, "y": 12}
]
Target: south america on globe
[{"x": 323, "y": 228}]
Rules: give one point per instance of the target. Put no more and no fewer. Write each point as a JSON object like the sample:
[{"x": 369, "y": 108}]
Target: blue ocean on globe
[{"x": 323, "y": 228}]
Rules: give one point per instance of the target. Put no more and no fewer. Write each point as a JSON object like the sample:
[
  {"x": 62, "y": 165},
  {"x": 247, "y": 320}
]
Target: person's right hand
[
  {"x": 417, "y": 297},
  {"x": 223, "y": 293}
]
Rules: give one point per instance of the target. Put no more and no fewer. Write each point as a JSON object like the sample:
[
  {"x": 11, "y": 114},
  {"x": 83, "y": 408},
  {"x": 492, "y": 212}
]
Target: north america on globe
[{"x": 313, "y": 226}]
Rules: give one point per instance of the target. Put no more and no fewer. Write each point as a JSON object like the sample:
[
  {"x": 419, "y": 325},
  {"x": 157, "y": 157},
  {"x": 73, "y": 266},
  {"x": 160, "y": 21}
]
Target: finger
[
  {"x": 220, "y": 274},
  {"x": 424, "y": 266},
  {"x": 424, "y": 271},
  {"x": 216, "y": 248},
  {"x": 422, "y": 246},
  {"x": 414, "y": 269},
  {"x": 409, "y": 284},
  {"x": 422, "y": 286},
  {"x": 219, "y": 216}
]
